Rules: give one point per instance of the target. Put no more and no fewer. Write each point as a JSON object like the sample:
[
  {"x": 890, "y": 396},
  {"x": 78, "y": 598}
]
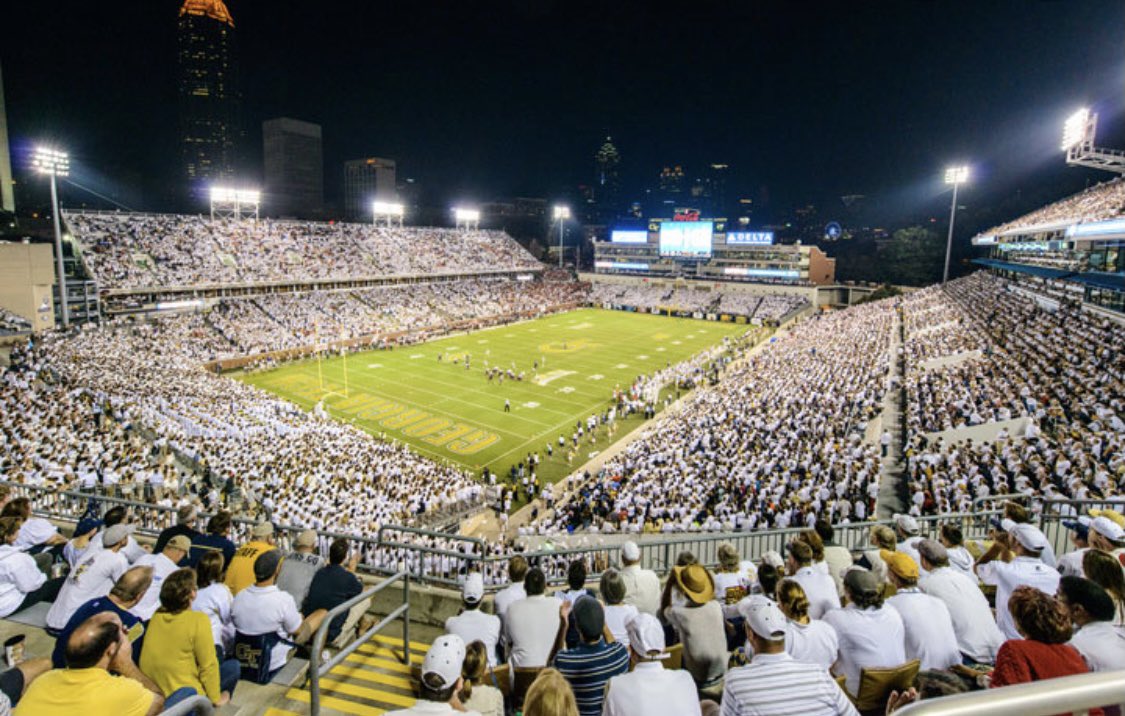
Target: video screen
[
  {"x": 629, "y": 237},
  {"x": 688, "y": 239}
]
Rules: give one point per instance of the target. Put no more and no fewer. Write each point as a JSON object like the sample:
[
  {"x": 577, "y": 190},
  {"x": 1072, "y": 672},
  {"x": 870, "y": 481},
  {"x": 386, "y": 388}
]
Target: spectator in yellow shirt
[
  {"x": 182, "y": 659},
  {"x": 240, "y": 572}
]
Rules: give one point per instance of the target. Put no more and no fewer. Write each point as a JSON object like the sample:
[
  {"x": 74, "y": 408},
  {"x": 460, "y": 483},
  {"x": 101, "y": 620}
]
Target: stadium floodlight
[
  {"x": 229, "y": 202},
  {"x": 1074, "y": 130},
  {"x": 468, "y": 218},
  {"x": 956, "y": 176},
  {"x": 388, "y": 210},
  {"x": 561, "y": 212},
  {"x": 55, "y": 163}
]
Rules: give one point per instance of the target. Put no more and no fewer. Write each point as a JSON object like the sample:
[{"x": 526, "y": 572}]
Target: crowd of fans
[
  {"x": 1098, "y": 203},
  {"x": 11, "y": 323},
  {"x": 150, "y": 251},
  {"x": 772, "y": 307},
  {"x": 978, "y": 352}
]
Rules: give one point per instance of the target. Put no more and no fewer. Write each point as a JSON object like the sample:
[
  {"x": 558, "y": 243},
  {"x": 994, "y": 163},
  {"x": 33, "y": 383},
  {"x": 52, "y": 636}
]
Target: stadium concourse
[{"x": 119, "y": 435}]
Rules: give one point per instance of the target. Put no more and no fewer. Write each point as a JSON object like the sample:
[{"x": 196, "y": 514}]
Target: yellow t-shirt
[
  {"x": 94, "y": 691},
  {"x": 179, "y": 651},
  {"x": 240, "y": 573}
]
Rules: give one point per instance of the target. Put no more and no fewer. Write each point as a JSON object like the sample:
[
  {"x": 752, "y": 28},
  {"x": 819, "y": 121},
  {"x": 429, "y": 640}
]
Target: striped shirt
[
  {"x": 588, "y": 667},
  {"x": 776, "y": 685}
]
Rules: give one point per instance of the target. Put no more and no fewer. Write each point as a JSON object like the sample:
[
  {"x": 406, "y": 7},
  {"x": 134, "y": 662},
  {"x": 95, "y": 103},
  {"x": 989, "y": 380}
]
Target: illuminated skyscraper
[
  {"x": 607, "y": 184},
  {"x": 210, "y": 126},
  {"x": 366, "y": 180},
  {"x": 294, "y": 168}
]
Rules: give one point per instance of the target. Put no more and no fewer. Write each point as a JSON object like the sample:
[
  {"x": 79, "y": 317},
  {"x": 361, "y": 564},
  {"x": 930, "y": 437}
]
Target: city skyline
[{"x": 477, "y": 104}]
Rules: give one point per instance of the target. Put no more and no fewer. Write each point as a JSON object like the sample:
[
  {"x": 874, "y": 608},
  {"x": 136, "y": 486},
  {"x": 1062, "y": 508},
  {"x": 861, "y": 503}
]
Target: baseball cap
[
  {"x": 932, "y": 550},
  {"x": 1029, "y": 537},
  {"x": 117, "y": 533},
  {"x": 631, "y": 551},
  {"x": 473, "y": 591},
  {"x": 646, "y": 636},
  {"x": 1108, "y": 528},
  {"x": 262, "y": 529},
  {"x": 765, "y": 620},
  {"x": 265, "y": 566},
  {"x": 306, "y": 539},
  {"x": 900, "y": 563},
  {"x": 444, "y": 659},
  {"x": 181, "y": 542},
  {"x": 907, "y": 524},
  {"x": 1111, "y": 514},
  {"x": 1002, "y": 524},
  {"x": 589, "y": 617},
  {"x": 862, "y": 582},
  {"x": 773, "y": 558},
  {"x": 87, "y": 525},
  {"x": 1081, "y": 526}
]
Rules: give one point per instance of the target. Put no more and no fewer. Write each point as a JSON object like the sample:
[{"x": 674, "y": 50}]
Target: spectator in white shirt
[
  {"x": 1107, "y": 535},
  {"x": 978, "y": 637},
  {"x": 1105, "y": 569},
  {"x": 1070, "y": 564},
  {"x": 162, "y": 565},
  {"x": 617, "y": 613},
  {"x": 517, "y": 571},
  {"x": 1091, "y": 610},
  {"x": 1022, "y": 545},
  {"x": 870, "y": 633},
  {"x": 472, "y": 624},
  {"x": 36, "y": 534},
  {"x": 22, "y": 583},
  {"x": 265, "y": 609},
  {"x": 215, "y": 599},
  {"x": 809, "y": 640},
  {"x": 649, "y": 688},
  {"x": 92, "y": 577},
  {"x": 819, "y": 587},
  {"x": 642, "y": 586},
  {"x": 837, "y": 558},
  {"x": 441, "y": 680},
  {"x": 925, "y": 619},
  {"x": 906, "y": 531},
  {"x": 959, "y": 557},
  {"x": 532, "y": 623},
  {"x": 773, "y": 683}
]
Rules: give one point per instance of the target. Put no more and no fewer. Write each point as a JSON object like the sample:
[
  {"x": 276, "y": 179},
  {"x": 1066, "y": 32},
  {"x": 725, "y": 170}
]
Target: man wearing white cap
[
  {"x": 1107, "y": 535},
  {"x": 93, "y": 576},
  {"x": 906, "y": 530},
  {"x": 642, "y": 586},
  {"x": 472, "y": 624},
  {"x": 441, "y": 680},
  {"x": 1027, "y": 568},
  {"x": 773, "y": 683},
  {"x": 649, "y": 688}
]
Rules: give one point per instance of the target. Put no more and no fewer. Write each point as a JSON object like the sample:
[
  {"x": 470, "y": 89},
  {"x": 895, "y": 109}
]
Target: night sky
[{"x": 806, "y": 101}]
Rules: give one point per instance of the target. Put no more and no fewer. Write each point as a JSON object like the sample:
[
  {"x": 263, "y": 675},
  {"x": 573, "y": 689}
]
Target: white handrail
[{"x": 1073, "y": 694}]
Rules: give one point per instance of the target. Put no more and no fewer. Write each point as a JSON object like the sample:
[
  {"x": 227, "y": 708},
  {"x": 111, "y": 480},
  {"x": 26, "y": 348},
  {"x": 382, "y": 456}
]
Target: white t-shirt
[
  {"x": 19, "y": 575},
  {"x": 929, "y": 628},
  {"x": 150, "y": 600},
  {"x": 868, "y": 638},
  {"x": 1006, "y": 576},
  {"x": 976, "y": 632},
  {"x": 92, "y": 577},
  {"x": 430, "y": 708},
  {"x": 820, "y": 589},
  {"x": 473, "y": 624},
  {"x": 532, "y": 624},
  {"x": 215, "y": 601},
  {"x": 652, "y": 690},
  {"x": 813, "y": 643},
  {"x": 617, "y": 618},
  {"x": 261, "y": 610},
  {"x": 1102, "y": 645},
  {"x": 34, "y": 532},
  {"x": 506, "y": 596}
]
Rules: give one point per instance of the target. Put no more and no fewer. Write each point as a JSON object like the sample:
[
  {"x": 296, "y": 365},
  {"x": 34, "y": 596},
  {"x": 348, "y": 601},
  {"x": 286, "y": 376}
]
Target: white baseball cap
[
  {"x": 646, "y": 636},
  {"x": 773, "y": 558},
  {"x": 473, "y": 591},
  {"x": 1029, "y": 536},
  {"x": 1108, "y": 528},
  {"x": 631, "y": 551},
  {"x": 444, "y": 659},
  {"x": 907, "y": 524},
  {"x": 765, "y": 620}
]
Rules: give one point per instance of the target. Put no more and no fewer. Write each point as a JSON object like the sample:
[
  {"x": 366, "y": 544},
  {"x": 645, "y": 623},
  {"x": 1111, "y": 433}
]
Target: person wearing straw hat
[
  {"x": 698, "y": 619},
  {"x": 649, "y": 688},
  {"x": 773, "y": 682}
]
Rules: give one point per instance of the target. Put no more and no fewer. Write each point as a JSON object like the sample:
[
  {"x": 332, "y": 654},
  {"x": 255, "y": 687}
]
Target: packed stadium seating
[
  {"x": 771, "y": 307},
  {"x": 1099, "y": 202},
  {"x": 11, "y": 323}
]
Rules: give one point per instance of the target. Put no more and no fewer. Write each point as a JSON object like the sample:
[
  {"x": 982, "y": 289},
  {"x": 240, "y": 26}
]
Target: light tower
[
  {"x": 561, "y": 214},
  {"x": 464, "y": 218},
  {"x": 389, "y": 211},
  {"x": 227, "y": 203},
  {"x": 1078, "y": 143},
  {"x": 955, "y": 176},
  {"x": 55, "y": 163}
]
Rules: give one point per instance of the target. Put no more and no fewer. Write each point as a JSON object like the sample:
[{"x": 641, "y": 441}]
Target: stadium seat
[{"x": 875, "y": 685}]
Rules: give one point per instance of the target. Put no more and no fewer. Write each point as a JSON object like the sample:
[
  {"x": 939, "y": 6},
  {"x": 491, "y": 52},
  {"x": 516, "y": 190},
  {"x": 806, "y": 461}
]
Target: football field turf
[{"x": 446, "y": 411}]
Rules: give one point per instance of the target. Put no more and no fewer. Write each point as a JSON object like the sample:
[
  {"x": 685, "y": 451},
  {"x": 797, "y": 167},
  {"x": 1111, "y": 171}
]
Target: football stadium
[{"x": 317, "y": 447}]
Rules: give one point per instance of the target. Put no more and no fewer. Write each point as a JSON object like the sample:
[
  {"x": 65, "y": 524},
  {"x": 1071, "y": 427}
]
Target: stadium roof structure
[{"x": 214, "y": 9}]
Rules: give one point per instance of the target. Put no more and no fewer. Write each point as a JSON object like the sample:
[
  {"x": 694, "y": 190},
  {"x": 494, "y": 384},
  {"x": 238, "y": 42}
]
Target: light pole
[
  {"x": 955, "y": 176},
  {"x": 55, "y": 164},
  {"x": 561, "y": 213}
]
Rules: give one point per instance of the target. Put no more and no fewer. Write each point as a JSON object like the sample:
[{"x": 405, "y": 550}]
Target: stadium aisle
[{"x": 369, "y": 682}]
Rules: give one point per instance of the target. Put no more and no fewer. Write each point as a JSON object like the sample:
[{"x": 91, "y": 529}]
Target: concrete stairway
[{"x": 893, "y": 495}]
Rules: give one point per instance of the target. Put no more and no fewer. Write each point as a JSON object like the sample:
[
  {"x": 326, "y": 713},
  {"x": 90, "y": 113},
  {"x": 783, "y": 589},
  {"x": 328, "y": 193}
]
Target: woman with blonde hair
[
  {"x": 478, "y": 692},
  {"x": 813, "y": 540},
  {"x": 806, "y": 639},
  {"x": 550, "y": 695}
]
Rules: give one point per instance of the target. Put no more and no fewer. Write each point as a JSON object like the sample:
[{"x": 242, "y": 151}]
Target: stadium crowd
[
  {"x": 11, "y": 323},
  {"x": 1098, "y": 203},
  {"x": 772, "y": 307}
]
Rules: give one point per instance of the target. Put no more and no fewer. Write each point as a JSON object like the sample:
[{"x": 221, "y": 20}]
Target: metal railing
[
  {"x": 199, "y": 705},
  {"x": 1069, "y": 694},
  {"x": 1049, "y": 519},
  {"x": 317, "y": 669}
]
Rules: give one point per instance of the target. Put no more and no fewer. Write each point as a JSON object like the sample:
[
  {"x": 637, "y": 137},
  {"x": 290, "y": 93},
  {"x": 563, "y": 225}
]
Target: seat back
[
  {"x": 253, "y": 652},
  {"x": 875, "y": 685},
  {"x": 522, "y": 677},
  {"x": 675, "y": 658}
]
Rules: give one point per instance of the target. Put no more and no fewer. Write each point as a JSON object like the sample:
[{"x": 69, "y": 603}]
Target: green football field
[{"x": 455, "y": 414}]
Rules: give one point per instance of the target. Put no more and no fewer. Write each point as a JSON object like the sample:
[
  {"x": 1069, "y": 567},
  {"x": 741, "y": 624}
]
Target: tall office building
[
  {"x": 607, "y": 181},
  {"x": 294, "y": 164},
  {"x": 7, "y": 200},
  {"x": 209, "y": 98},
  {"x": 366, "y": 180}
]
